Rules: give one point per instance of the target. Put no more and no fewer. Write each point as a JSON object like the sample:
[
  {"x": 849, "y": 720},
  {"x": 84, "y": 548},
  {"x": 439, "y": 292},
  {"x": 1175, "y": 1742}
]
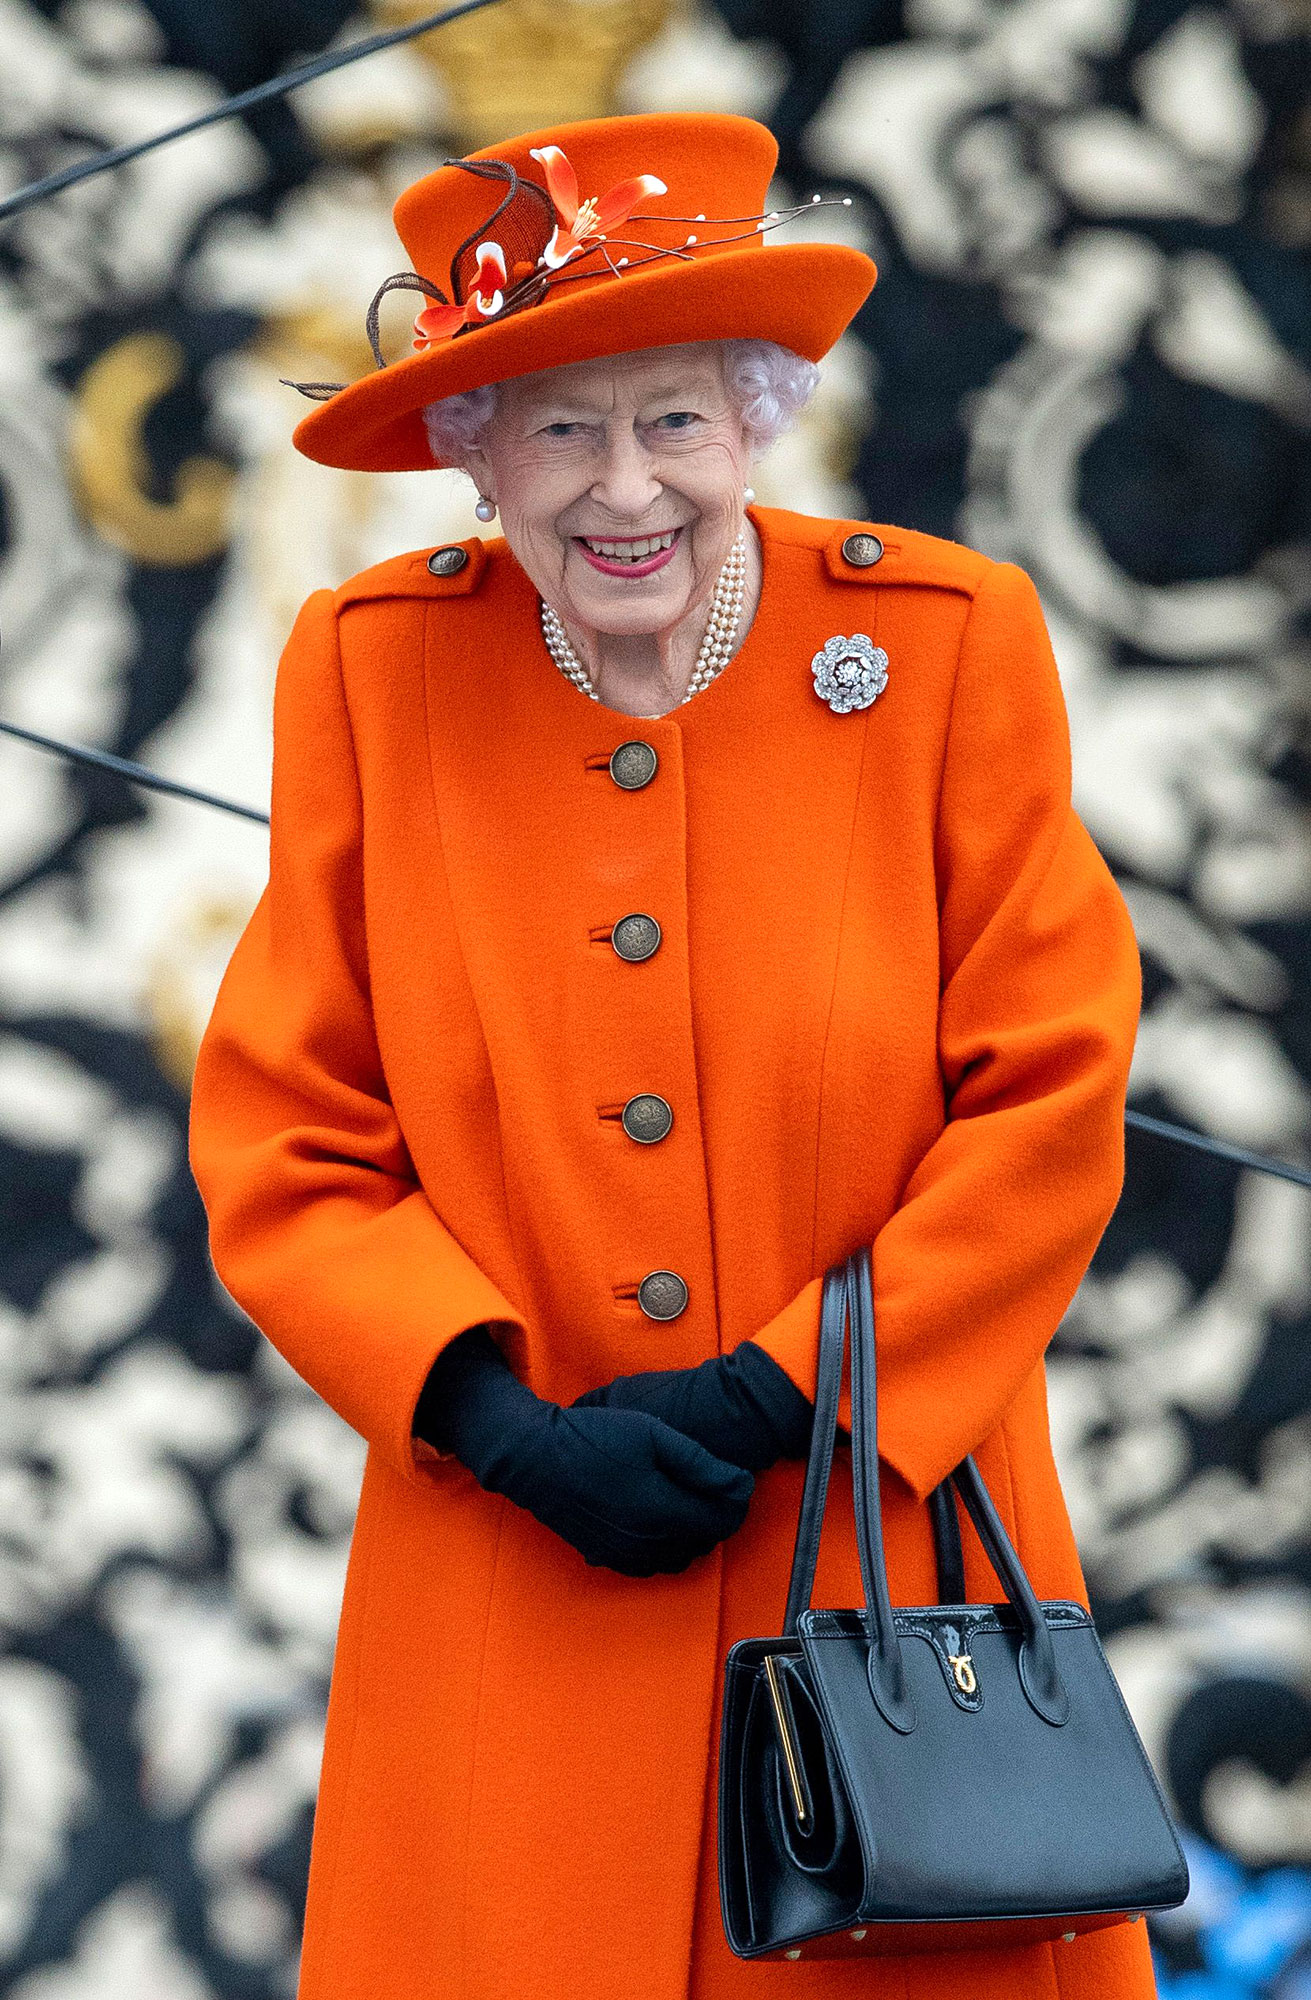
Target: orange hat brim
[{"x": 802, "y": 295}]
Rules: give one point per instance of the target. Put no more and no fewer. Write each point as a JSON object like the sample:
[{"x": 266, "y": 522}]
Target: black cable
[
  {"x": 232, "y": 107},
  {"x": 136, "y": 774},
  {"x": 1283, "y": 1170}
]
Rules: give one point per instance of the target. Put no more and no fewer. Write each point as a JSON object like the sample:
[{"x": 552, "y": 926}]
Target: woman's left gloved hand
[{"x": 741, "y": 1406}]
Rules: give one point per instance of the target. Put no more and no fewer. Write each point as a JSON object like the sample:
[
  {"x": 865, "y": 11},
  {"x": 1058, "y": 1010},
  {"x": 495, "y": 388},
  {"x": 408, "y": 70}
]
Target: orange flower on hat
[
  {"x": 440, "y": 322},
  {"x": 586, "y": 221}
]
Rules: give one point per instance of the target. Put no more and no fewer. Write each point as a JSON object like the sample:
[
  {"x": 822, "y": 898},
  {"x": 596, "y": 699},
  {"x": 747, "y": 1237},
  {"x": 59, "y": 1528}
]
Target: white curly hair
[{"x": 768, "y": 385}]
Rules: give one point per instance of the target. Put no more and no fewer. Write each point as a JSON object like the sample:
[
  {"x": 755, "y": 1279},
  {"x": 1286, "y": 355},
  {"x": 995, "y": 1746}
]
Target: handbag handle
[
  {"x": 849, "y": 1295},
  {"x": 943, "y": 1516},
  {"x": 823, "y": 1438}
]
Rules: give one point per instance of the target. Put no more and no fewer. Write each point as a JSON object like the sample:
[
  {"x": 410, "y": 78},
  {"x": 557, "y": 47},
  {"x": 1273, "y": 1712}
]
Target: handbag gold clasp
[{"x": 962, "y": 1667}]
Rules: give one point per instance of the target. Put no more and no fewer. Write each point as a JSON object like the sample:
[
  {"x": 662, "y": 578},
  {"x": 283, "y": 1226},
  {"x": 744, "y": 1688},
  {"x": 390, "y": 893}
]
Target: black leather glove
[
  {"x": 742, "y": 1406},
  {"x": 625, "y": 1490}
]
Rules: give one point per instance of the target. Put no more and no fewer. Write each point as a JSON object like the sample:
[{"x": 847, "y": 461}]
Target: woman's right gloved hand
[{"x": 627, "y": 1491}]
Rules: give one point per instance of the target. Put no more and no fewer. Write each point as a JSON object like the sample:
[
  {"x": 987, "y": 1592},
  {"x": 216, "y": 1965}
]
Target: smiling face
[{"x": 619, "y": 484}]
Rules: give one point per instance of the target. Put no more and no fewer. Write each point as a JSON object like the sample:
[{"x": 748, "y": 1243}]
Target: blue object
[{"x": 1272, "y": 1919}]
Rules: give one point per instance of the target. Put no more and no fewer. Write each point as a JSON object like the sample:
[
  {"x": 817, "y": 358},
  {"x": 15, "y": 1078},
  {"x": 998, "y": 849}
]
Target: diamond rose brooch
[{"x": 850, "y": 673}]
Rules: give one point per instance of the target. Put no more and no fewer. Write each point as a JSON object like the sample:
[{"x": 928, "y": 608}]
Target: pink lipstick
[{"x": 646, "y": 566}]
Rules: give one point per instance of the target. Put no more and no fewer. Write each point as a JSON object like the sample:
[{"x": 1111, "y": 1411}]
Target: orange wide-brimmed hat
[{"x": 584, "y": 240}]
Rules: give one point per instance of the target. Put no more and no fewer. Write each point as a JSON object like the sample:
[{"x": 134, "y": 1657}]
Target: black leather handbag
[{"x": 957, "y": 1774}]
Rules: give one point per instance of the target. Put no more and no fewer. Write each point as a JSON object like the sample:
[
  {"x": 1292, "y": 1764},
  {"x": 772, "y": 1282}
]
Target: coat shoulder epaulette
[
  {"x": 873, "y": 552},
  {"x": 452, "y": 569}
]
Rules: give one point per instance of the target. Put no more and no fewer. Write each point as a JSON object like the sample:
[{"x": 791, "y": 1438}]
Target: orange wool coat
[{"x": 894, "y": 1001}]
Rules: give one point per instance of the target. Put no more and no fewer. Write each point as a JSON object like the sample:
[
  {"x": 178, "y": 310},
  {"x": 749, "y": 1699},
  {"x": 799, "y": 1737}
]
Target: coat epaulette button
[
  {"x": 662, "y": 1295},
  {"x": 862, "y": 551},
  {"x": 448, "y": 562}
]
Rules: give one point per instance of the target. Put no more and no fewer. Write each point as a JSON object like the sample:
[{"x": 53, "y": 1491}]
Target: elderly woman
[{"x": 664, "y": 900}]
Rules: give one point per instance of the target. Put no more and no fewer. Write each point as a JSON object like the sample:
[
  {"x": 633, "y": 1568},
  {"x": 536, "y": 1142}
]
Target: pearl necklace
[{"x": 718, "y": 642}]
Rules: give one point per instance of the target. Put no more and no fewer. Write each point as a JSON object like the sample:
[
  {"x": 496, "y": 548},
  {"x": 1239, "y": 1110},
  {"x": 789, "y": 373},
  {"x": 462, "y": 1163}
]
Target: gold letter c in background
[{"x": 112, "y": 471}]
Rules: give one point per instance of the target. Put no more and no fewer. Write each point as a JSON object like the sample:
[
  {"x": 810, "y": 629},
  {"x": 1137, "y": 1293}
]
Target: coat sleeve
[
  {"x": 318, "y": 1225},
  {"x": 1040, "y": 986}
]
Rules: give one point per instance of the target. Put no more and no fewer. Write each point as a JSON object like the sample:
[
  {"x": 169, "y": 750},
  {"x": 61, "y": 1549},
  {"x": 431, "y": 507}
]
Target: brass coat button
[
  {"x": 662, "y": 1295},
  {"x": 448, "y": 562},
  {"x": 862, "y": 551},
  {"x": 647, "y": 1118},
  {"x": 633, "y": 765},
  {"x": 636, "y": 937}
]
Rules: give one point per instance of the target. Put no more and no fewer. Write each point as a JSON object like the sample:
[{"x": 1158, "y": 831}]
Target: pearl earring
[
  {"x": 748, "y": 494},
  {"x": 485, "y": 509}
]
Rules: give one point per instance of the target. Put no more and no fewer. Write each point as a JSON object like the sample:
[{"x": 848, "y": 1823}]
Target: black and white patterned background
[{"x": 1089, "y": 351}]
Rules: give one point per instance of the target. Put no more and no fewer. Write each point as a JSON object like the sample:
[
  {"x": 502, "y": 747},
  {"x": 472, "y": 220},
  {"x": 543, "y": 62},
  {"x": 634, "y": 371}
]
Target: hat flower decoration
[
  {"x": 580, "y": 222},
  {"x": 581, "y": 226},
  {"x": 545, "y": 275},
  {"x": 443, "y": 322}
]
